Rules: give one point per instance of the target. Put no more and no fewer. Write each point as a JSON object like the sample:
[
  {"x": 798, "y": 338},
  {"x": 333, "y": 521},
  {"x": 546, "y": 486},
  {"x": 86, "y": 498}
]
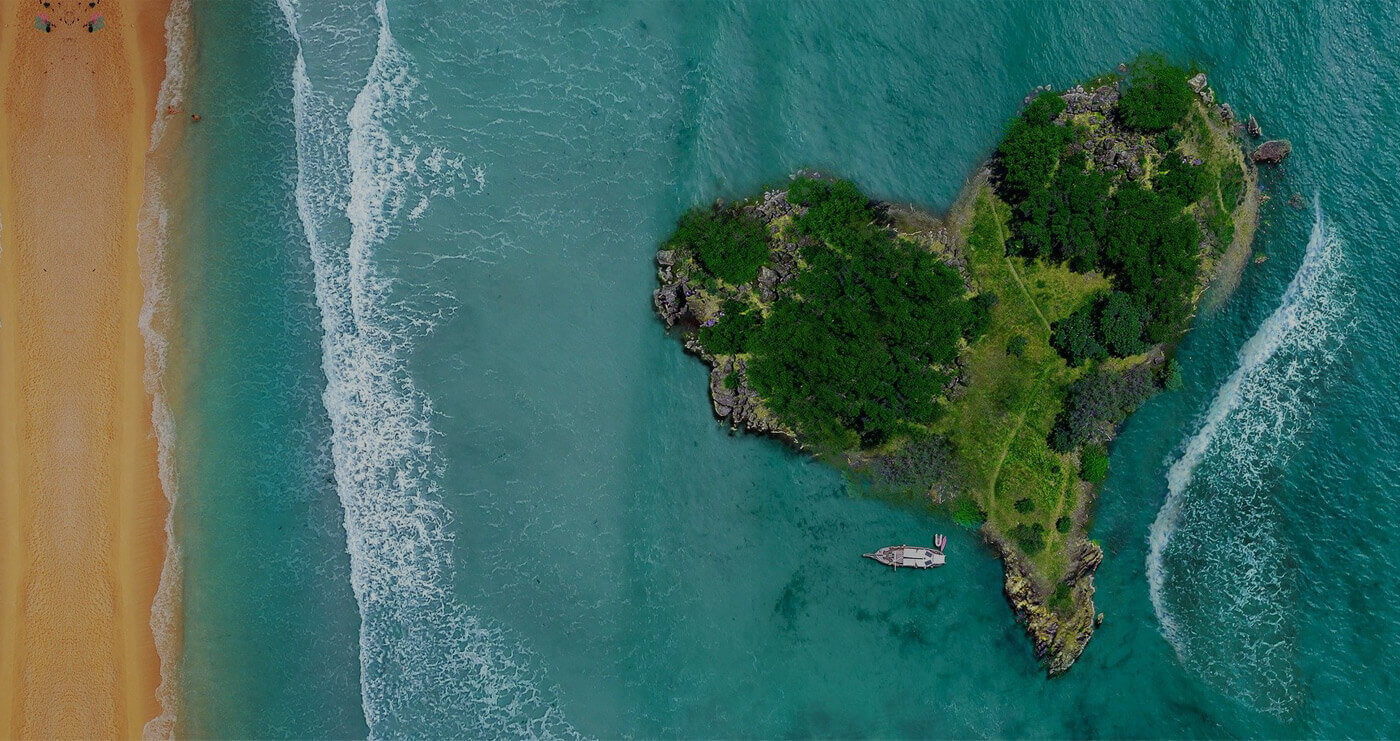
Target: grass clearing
[{"x": 1000, "y": 421}]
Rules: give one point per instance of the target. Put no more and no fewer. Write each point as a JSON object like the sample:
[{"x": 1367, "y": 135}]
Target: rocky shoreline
[
  {"x": 1058, "y": 617},
  {"x": 687, "y": 308}
]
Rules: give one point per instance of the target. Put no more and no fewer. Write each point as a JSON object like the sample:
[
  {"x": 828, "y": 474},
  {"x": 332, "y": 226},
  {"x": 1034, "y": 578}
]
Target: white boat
[{"x": 912, "y": 556}]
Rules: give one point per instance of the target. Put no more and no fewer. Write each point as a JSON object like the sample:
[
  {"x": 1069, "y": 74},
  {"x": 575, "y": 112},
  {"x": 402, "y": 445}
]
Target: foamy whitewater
[
  {"x": 1221, "y": 578},
  {"x": 419, "y": 647},
  {"x": 153, "y": 236},
  {"x": 443, "y": 474}
]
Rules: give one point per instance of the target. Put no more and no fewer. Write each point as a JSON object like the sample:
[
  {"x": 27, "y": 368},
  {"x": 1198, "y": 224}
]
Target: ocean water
[{"x": 442, "y": 473}]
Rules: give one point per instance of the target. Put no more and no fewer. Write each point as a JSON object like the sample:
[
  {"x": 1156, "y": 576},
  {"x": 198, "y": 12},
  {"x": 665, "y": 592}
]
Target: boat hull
[{"x": 908, "y": 557}]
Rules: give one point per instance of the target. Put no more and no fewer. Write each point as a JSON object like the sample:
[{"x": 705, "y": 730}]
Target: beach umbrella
[
  {"x": 96, "y": 23},
  {"x": 41, "y": 22}
]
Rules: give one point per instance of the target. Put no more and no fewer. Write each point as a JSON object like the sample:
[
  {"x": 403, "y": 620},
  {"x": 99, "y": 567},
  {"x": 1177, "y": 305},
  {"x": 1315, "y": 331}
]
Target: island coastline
[{"x": 1059, "y": 620}]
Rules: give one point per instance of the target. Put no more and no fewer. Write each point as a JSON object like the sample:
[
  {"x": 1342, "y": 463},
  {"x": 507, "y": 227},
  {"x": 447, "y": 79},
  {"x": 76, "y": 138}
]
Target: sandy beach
[{"x": 81, "y": 508}]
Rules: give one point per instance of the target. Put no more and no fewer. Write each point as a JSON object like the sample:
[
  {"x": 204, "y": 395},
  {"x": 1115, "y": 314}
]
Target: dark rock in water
[
  {"x": 1059, "y": 637},
  {"x": 740, "y": 406},
  {"x": 1252, "y": 127},
  {"x": 1202, "y": 88},
  {"x": 1296, "y": 201},
  {"x": 1272, "y": 152},
  {"x": 670, "y": 303},
  {"x": 1227, "y": 114}
]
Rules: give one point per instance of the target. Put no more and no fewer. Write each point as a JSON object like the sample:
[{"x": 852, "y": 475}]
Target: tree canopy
[
  {"x": 860, "y": 347},
  {"x": 1157, "y": 95},
  {"x": 730, "y": 244}
]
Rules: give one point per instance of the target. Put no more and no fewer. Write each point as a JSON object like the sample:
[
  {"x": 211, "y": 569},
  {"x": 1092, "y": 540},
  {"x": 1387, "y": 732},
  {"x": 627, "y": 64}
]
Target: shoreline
[
  {"x": 84, "y": 509},
  {"x": 1048, "y": 580},
  {"x": 155, "y": 321}
]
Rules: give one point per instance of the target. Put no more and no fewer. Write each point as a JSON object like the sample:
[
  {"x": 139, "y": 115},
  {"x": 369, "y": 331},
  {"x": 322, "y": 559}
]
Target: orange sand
[{"x": 81, "y": 509}]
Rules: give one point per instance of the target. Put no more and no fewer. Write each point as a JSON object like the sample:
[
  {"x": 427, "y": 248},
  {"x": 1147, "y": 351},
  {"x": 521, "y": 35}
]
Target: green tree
[
  {"x": 729, "y": 244},
  {"x": 1030, "y": 538},
  {"x": 1150, "y": 249},
  {"x": 1184, "y": 181},
  {"x": 1016, "y": 346},
  {"x": 863, "y": 345},
  {"x": 1157, "y": 96},
  {"x": 732, "y": 333},
  {"x": 1173, "y": 381},
  {"x": 1028, "y": 155},
  {"x": 1121, "y": 322},
  {"x": 1043, "y": 109},
  {"x": 1076, "y": 337}
]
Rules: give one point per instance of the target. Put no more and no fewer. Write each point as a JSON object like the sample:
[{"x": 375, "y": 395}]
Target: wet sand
[{"x": 81, "y": 508}]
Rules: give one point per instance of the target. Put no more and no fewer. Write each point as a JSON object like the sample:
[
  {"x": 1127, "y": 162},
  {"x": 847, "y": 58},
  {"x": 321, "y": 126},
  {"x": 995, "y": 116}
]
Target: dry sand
[{"x": 81, "y": 509}]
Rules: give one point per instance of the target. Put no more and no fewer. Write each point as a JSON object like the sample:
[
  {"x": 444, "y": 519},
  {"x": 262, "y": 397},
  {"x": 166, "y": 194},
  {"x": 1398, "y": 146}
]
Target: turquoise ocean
[{"x": 442, "y": 473}]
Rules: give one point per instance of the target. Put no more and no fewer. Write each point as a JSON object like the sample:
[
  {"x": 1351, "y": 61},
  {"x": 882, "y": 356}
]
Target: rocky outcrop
[
  {"x": 736, "y": 402},
  {"x": 1058, "y": 616},
  {"x": 1059, "y": 624},
  {"x": 689, "y": 307},
  {"x": 1251, "y": 127},
  {"x": 1110, "y": 146},
  {"x": 670, "y": 303},
  {"x": 1272, "y": 152},
  {"x": 774, "y": 206},
  {"x": 1099, "y": 100},
  {"x": 1202, "y": 88}
]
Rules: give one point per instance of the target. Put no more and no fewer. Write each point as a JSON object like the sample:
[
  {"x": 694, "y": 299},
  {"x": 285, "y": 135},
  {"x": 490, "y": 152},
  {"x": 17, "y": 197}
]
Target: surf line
[
  {"x": 1303, "y": 323},
  {"x": 153, "y": 238},
  {"x": 429, "y": 667}
]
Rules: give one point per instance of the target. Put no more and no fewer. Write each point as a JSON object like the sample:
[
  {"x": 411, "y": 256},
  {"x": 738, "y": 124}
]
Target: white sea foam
[
  {"x": 153, "y": 235},
  {"x": 429, "y": 666},
  {"x": 1217, "y": 570}
]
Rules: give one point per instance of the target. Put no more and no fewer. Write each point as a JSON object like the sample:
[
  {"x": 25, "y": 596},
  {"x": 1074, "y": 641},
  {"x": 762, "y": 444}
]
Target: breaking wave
[
  {"x": 428, "y": 666},
  {"x": 1218, "y": 571},
  {"x": 153, "y": 231}
]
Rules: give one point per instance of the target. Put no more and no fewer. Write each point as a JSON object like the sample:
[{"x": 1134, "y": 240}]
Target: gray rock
[
  {"x": 767, "y": 283},
  {"x": 670, "y": 303},
  {"x": 774, "y": 206},
  {"x": 1198, "y": 83},
  {"x": 1272, "y": 152},
  {"x": 1077, "y": 100},
  {"x": 1252, "y": 126},
  {"x": 1104, "y": 99},
  {"x": 1227, "y": 114},
  {"x": 666, "y": 258}
]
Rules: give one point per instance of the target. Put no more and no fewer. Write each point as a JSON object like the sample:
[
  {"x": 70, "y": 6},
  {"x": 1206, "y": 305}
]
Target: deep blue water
[{"x": 443, "y": 474}]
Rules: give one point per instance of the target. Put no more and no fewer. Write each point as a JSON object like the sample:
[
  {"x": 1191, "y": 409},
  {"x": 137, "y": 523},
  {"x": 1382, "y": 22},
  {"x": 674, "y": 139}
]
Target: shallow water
[{"x": 442, "y": 472}]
